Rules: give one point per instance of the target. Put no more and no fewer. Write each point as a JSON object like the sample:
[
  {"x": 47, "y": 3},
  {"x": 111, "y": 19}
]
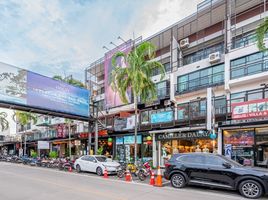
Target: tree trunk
[{"x": 136, "y": 127}]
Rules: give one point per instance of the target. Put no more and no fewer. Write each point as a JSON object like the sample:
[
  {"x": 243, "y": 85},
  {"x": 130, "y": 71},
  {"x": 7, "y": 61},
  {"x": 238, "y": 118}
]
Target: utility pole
[
  {"x": 69, "y": 130},
  {"x": 96, "y": 129}
]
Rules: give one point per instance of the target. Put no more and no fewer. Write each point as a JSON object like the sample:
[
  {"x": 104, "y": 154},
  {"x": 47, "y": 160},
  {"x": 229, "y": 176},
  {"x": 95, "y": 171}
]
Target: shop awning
[{"x": 179, "y": 129}]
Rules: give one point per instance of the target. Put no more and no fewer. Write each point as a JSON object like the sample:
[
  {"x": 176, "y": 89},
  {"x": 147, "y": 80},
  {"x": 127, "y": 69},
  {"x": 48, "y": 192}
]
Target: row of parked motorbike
[{"x": 58, "y": 163}]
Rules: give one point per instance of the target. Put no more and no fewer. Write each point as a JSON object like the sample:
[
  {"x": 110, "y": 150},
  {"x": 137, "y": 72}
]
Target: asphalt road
[{"x": 33, "y": 183}]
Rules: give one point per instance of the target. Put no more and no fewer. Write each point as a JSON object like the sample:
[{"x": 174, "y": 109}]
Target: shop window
[
  {"x": 241, "y": 142},
  {"x": 253, "y": 95},
  {"x": 183, "y": 111},
  {"x": 145, "y": 118},
  {"x": 167, "y": 67}
]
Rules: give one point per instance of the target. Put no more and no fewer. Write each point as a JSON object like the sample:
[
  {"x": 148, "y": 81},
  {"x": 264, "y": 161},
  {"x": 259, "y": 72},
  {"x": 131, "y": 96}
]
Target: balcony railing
[{"x": 199, "y": 83}]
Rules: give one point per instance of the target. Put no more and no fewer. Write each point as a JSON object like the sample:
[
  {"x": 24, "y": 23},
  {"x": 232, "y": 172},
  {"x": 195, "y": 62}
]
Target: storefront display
[
  {"x": 184, "y": 142},
  {"x": 125, "y": 148},
  {"x": 241, "y": 145}
]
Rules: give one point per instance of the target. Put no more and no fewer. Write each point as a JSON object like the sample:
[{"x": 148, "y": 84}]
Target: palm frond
[{"x": 260, "y": 33}]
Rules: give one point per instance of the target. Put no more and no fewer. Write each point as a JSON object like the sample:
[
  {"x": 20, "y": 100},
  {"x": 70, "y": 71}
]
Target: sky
[{"x": 62, "y": 37}]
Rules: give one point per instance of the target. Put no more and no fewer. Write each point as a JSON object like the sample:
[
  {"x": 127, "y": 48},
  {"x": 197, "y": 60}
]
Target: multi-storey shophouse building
[{"x": 213, "y": 48}]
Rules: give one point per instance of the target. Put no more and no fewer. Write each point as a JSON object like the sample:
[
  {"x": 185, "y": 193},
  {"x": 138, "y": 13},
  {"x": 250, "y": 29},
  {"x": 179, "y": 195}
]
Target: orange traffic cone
[
  {"x": 70, "y": 169},
  {"x": 158, "y": 181},
  {"x": 152, "y": 182},
  {"x": 128, "y": 176},
  {"x": 105, "y": 173}
]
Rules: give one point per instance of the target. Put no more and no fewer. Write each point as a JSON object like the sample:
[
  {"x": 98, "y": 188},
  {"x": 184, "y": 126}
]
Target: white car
[{"x": 96, "y": 164}]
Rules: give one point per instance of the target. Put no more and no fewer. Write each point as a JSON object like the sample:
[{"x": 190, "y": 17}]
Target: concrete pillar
[
  {"x": 220, "y": 139},
  {"x": 154, "y": 152}
]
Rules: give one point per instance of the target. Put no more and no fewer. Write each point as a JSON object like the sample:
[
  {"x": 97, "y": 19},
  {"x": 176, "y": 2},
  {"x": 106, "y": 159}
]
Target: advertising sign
[
  {"x": 250, "y": 109},
  {"x": 43, "y": 145},
  {"x": 18, "y": 86},
  {"x": 162, "y": 117},
  {"x": 228, "y": 150},
  {"x": 131, "y": 139},
  {"x": 112, "y": 98},
  {"x": 120, "y": 124}
]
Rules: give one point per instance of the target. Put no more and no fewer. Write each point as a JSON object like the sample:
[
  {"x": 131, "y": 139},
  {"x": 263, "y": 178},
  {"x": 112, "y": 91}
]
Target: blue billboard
[
  {"x": 18, "y": 86},
  {"x": 162, "y": 117}
]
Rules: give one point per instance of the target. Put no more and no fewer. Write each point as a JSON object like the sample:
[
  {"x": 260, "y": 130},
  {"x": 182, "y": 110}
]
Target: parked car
[
  {"x": 96, "y": 164},
  {"x": 216, "y": 171}
]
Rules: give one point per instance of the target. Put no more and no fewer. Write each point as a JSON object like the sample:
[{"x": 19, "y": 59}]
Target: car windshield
[
  {"x": 101, "y": 158},
  {"x": 232, "y": 162}
]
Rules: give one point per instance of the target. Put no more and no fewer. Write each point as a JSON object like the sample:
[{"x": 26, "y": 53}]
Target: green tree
[
  {"x": 4, "y": 124},
  {"x": 70, "y": 81},
  {"x": 24, "y": 118},
  {"x": 260, "y": 32},
  {"x": 136, "y": 76}
]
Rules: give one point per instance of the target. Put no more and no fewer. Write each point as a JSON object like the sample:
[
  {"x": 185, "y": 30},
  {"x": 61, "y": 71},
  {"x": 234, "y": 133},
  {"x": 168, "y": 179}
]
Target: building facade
[{"x": 214, "y": 48}]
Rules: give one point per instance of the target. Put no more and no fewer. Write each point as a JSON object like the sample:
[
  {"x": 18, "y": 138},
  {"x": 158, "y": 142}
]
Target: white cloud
[
  {"x": 56, "y": 37},
  {"x": 159, "y": 15}
]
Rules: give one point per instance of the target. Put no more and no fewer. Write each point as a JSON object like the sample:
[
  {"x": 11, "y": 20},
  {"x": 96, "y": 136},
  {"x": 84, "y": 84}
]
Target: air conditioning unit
[
  {"x": 214, "y": 57},
  {"x": 184, "y": 43}
]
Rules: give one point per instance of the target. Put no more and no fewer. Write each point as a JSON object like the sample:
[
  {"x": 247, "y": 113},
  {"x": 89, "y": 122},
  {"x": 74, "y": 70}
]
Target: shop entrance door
[{"x": 261, "y": 147}]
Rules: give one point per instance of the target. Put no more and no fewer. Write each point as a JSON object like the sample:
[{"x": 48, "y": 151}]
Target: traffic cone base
[
  {"x": 105, "y": 173},
  {"x": 128, "y": 176},
  {"x": 152, "y": 181},
  {"x": 70, "y": 169},
  {"x": 158, "y": 181}
]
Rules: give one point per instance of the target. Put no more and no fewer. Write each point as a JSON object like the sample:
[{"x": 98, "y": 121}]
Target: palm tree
[
  {"x": 136, "y": 76},
  {"x": 4, "y": 124},
  {"x": 260, "y": 32},
  {"x": 24, "y": 118}
]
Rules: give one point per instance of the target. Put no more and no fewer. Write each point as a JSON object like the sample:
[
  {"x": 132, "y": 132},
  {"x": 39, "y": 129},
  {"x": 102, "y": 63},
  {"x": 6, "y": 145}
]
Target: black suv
[{"x": 216, "y": 171}]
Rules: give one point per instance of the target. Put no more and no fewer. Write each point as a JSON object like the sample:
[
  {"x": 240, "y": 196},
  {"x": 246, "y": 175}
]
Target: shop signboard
[
  {"x": 120, "y": 124},
  {"x": 119, "y": 140},
  {"x": 162, "y": 117},
  {"x": 184, "y": 135},
  {"x": 250, "y": 109},
  {"x": 43, "y": 144},
  {"x": 131, "y": 139},
  {"x": 25, "y": 88}
]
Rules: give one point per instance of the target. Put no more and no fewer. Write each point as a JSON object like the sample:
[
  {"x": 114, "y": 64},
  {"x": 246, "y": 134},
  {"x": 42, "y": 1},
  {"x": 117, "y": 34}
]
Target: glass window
[
  {"x": 167, "y": 67},
  {"x": 145, "y": 116},
  {"x": 213, "y": 160},
  {"x": 183, "y": 111},
  {"x": 235, "y": 73},
  {"x": 194, "y": 75},
  {"x": 193, "y": 159},
  {"x": 255, "y": 68},
  {"x": 101, "y": 158},
  {"x": 254, "y": 95},
  {"x": 255, "y": 56},
  {"x": 239, "y": 61}
]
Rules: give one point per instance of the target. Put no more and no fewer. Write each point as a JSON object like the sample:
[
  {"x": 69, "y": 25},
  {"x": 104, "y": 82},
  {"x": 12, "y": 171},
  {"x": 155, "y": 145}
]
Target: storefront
[
  {"x": 169, "y": 143},
  {"x": 125, "y": 148},
  {"x": 248, "y": 146}
]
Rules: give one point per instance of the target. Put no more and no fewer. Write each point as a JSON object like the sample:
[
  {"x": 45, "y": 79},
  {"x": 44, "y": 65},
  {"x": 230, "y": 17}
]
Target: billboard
[
  {"x": 162, "y": 117},
  {"x": 112, "y": 98},
  {"x": 250, "y": 109},
  {"x": 43, "y": 144},
  {"x": 18, "y": 86}
]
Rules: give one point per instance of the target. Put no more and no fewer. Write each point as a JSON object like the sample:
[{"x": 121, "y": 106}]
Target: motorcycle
[{"x": 145, "y": 171}]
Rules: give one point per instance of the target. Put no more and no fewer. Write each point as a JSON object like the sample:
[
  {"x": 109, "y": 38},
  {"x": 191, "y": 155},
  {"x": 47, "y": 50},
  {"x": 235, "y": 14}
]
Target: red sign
[
  {"x": 250, "y": 109},
  {"x": 100, "y": 133}
]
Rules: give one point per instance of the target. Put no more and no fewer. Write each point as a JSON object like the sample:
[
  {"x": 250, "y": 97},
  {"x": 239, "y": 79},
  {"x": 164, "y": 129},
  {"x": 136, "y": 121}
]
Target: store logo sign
[
  {"x": 250, "y": 109},
  {"x": 186, "y": 135}
]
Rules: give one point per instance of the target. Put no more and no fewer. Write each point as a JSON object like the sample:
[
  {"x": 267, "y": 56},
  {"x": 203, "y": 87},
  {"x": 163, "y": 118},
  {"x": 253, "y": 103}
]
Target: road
[{"x": 32, "y": 183}]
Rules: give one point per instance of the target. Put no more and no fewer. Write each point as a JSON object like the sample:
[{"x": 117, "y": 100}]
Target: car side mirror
[{"x": 227, "y": 165}]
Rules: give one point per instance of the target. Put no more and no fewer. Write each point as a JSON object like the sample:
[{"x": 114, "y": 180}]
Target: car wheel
[
  {"x": 177, "y": 181},
  {"x": 78, "y": 168},
  {"x": 250, "y": 189},
  {"x": 99, "y": 171}
]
